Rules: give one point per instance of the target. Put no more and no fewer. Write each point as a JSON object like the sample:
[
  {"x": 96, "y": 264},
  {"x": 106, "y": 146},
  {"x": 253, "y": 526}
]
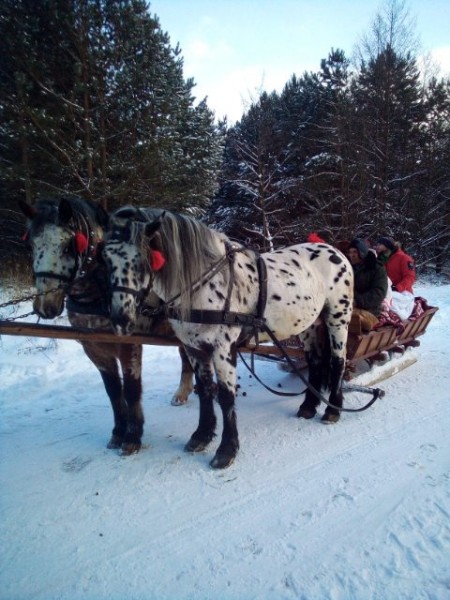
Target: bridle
[{"x": 83, "y": 252}]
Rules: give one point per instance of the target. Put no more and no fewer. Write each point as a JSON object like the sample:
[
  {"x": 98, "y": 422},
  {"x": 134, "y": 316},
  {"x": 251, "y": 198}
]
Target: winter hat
[
  {"x": 388, "y": 242},
  {"x": 361, "y": 246}
]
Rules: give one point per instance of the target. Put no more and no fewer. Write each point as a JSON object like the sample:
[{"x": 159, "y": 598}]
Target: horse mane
[
  {"x": 189, "y": 246},
  {"x": 47, "y": 212}
]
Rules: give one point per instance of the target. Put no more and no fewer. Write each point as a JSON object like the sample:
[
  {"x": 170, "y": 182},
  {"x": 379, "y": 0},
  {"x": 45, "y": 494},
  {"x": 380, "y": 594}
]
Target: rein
[
  {"x": 216, "y": 268},
  {"x": 376, "y": 392},
  {"x": 57, "y": 276}
]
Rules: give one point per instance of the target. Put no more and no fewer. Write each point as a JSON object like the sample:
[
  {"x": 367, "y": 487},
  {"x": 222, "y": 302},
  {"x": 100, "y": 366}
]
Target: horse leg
[
  {"x": 332, "y": 415},
  {"x": 337, "y": 336},
  {"x": 202, "y": 436},
  {"x": 131, "y": 360},
  {"x": 308, "y": 407},
  {"x": 185, "y": 387},
  {"x": 103, "y": 358},
  {"x": 314, "y": 358},
  {"x": 226, "y": 377}
]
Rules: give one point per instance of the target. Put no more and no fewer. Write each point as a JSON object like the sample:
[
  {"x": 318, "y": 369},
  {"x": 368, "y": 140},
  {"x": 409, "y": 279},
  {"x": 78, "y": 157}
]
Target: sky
[{"x": 234, "y": 49}]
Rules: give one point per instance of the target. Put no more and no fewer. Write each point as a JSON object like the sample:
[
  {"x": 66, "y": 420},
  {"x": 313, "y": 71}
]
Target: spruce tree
[{"x": 95, "y": 103}]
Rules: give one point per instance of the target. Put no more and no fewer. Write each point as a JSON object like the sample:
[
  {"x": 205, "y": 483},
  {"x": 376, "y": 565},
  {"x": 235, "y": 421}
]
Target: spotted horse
[
  {"x": 65, "y": 235},
  {"x": 214, "y": 291}
]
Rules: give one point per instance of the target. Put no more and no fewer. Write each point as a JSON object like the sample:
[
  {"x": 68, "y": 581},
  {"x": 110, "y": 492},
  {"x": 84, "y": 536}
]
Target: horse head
[
  {"x": 132, "y": 254},
  {"x": 63, "y": 239}
]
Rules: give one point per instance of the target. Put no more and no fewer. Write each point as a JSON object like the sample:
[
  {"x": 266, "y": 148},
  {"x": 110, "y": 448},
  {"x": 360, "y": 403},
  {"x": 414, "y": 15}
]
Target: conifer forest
[{"x": 94, "y": 103}]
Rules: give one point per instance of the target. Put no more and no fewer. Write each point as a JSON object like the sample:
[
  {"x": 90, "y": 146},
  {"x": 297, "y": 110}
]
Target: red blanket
[{"x": 389, "y": 317}]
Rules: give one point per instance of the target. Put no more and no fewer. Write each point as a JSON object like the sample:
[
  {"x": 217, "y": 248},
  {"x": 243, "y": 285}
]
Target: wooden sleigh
[
  {"x": 362, "y": 347},
  {"x": 365, "y": 350}
]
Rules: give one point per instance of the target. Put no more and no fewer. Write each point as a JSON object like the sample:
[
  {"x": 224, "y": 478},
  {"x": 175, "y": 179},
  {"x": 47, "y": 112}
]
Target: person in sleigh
[{"x": 370, "y": 283}]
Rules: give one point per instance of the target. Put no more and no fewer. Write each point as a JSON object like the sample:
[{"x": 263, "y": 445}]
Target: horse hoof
[
  {"x": 114, "y": 443},
  {"x": 330, "y": 419},
  {"x": 129, "y": 449},
  {"x": 222, "y": 461},
  {"x": 306, "y": 413},
  {"x": 195, "y": 445},
  {"x": 178, "y": 401}
]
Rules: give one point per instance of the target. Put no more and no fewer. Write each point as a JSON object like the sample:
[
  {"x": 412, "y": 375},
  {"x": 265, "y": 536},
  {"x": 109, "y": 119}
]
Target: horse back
[{"x": 303, "y": 281}]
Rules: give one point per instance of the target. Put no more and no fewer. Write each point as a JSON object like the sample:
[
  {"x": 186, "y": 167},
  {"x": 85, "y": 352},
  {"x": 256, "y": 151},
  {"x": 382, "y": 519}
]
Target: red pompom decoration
[
  {"x": 315, "y": 239},
  {"x": 157, "y": 260},
  {"x": 81, "y": 242}
]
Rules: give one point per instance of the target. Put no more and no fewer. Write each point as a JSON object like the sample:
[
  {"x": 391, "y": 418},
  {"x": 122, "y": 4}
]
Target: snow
[{"x": 359, "y": 510}]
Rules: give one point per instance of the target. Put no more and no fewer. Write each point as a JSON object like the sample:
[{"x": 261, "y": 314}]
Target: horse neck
[
  {"x": 91, "y": 288},
  {"x": 194, "y": 292}
]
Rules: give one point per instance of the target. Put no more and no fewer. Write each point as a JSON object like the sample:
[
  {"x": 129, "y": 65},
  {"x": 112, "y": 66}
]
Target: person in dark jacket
[{"x": 371, "y": 282}]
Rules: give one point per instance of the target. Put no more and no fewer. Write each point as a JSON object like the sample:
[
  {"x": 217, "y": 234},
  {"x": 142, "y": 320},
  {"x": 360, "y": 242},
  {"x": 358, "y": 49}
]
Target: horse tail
[{"x": 326, "y": 368}]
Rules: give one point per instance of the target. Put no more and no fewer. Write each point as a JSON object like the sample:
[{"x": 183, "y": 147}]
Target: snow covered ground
[{"x": 356, "y": 511}]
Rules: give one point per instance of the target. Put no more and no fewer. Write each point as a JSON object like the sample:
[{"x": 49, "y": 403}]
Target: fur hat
[
  {"x": 388, "y": 242},
  {"x": 361, "y": 246}
]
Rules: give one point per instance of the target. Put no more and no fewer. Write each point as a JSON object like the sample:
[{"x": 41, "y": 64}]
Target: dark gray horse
[{"x": 65, "y": 235}]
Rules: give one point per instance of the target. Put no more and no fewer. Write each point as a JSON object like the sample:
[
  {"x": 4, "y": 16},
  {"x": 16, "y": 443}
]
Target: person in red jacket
[{"x": 400, "y": 266}]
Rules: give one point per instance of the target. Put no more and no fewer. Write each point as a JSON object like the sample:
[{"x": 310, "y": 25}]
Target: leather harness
[{"x": 225, "y": 316}]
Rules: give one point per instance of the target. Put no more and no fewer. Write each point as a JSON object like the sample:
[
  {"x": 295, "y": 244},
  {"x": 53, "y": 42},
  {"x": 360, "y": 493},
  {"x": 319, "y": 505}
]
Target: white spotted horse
[
  {"x": 215, "y": 290},
  {"x": 65, "y": 235}
]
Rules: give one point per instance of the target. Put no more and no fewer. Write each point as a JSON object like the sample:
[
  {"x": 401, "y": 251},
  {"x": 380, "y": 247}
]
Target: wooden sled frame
[{"x": 361, "y": 346}]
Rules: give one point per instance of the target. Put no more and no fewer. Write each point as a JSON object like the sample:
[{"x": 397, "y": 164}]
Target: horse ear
[
  {"x": 65, "y": 211},
  {"x": 102, "y": 216},
  {"x": 28, "y": 210},
  {"x": 157, "y": 258},
  {"x": 151, "y": 229}
]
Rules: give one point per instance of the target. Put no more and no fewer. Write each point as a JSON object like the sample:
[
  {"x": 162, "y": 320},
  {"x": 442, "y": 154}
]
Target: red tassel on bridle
[
  {"x": 157, "y": 260},
  {"x": 81, "y": 242}
]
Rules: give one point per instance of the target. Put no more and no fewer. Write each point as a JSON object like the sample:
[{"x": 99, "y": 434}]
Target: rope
[{"x": 17, "y": 301}]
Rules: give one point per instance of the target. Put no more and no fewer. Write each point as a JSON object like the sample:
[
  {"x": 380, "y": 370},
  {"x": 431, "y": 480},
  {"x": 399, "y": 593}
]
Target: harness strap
[
  {"x": 225, "y": 316},
  {"x": 216, "y": 317},
  {"x": 97, "y": 308},
  {"x": 376, "y": 392},
  {"x": 50, "y": 275},
  {"x": 346, "y": 387},
  {"x": 262, "y": 298},
  {"x": 128, "y": 290}
]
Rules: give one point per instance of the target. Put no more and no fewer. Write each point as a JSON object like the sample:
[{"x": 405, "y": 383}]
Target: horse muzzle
[{"x": 49, "y": 306}]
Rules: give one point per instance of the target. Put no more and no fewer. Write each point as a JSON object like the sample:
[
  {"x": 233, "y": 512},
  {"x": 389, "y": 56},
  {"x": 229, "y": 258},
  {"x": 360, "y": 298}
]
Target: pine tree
[
  {"x": 96, "y": 104},
  {"x": 255, "y": 190},
  {"x": 430, "y": 203},
  {"x": 387, "y": 95}
]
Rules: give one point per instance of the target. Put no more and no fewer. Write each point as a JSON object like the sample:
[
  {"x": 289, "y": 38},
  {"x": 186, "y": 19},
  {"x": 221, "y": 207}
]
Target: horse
[
  {"x": 65, "y": 235},
  {"x": 215, "y": 291}
]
